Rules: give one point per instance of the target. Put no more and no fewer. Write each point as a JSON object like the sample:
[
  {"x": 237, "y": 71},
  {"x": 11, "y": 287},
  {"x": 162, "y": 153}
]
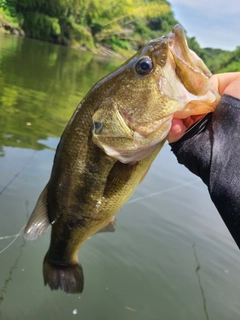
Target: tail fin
[{"x": 66, "y": 278}]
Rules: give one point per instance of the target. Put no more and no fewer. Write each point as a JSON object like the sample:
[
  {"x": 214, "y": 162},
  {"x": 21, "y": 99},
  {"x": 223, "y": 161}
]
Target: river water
[{"x": 171, "y": 256}]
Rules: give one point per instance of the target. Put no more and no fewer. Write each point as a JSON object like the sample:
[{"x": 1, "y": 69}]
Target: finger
[
  {"x": 177, "y": 130},
  {"x": 188, "y": 122}
]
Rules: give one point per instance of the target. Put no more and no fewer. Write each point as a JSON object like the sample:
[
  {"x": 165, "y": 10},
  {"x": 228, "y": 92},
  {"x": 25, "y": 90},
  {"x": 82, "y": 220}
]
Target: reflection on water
[
  {"x": 41, "y": 86},
  {"x": 149, "y": 268}
]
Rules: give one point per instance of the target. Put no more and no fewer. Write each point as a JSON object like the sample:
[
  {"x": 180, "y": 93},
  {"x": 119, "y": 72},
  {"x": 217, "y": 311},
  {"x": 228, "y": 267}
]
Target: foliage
[
  {"x": 217, "y": 60},
  {"x": 232, "y": 63},
  {"x": 8, "y": 15},
  {"x": 84, "y": 23},
  {"x": 41, "y": 26},
  {"x": 104, "y": 26}
]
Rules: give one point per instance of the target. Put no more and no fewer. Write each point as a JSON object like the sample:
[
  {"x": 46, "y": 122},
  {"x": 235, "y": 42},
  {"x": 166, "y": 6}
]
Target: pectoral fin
[{"x": 39, "y": 221}]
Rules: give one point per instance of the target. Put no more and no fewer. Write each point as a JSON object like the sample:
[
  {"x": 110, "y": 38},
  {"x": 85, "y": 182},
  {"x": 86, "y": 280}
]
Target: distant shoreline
[{"x": 104, "y": 51}]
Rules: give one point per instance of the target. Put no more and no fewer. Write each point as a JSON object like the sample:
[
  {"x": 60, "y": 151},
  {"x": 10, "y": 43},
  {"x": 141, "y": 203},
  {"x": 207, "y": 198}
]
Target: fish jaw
[
  {"x": 190, "y": 69},
  {"x": 188, "y": 103},
  {"x": 198, "y": 94},
  {"x": 130, "y": 156}
]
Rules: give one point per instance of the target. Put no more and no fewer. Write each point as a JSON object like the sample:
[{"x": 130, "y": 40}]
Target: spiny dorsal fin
[
  {"x": 39, "y": 221},
  {"x": 110, "y": 227}
]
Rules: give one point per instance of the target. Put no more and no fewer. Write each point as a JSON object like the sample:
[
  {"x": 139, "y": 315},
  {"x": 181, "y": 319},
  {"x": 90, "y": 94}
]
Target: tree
[{"x": 85, "y": 23}]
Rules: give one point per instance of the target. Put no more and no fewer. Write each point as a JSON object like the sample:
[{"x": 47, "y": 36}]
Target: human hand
[{"x": 225, "y": 83}]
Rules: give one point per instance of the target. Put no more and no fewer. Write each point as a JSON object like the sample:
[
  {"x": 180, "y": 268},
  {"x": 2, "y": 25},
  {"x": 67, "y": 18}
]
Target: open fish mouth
[
  {"x": 190, "y": 69},
  {"x": 178, "y": 45}
]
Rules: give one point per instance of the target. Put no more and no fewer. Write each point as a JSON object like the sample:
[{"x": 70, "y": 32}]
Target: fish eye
[
  {"x": 97, "y": 127},
  {"x": 144, "y": 66}
]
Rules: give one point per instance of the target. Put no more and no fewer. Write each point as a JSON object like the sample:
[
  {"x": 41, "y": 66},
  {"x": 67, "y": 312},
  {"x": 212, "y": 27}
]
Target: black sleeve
[{"x": 211, "y": 150}]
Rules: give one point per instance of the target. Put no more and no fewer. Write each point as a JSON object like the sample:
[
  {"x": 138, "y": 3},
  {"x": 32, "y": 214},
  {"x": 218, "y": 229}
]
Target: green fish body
[{"x": 109, "y": 145}]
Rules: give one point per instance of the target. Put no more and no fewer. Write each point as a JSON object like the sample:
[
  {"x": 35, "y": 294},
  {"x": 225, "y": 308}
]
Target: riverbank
[
  {"x": 119, "y": 32},
  {"x": 7, "y": 27},
  {"x": 111, "y": 29}
]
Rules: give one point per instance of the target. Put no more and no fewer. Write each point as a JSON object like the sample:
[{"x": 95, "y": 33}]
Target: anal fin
[
  {"x": 143, "y": 176},
  {"x": 39, "y": 222},
  {"x": 110, "y": 226}
]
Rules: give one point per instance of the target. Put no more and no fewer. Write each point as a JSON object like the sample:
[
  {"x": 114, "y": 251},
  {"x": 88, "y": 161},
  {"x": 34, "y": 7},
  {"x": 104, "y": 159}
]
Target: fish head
[{"x": 137, "y": 102}]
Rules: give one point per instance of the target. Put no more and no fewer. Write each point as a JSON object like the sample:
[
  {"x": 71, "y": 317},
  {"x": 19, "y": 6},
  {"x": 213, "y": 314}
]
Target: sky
[{"x": 214, "y": 23}]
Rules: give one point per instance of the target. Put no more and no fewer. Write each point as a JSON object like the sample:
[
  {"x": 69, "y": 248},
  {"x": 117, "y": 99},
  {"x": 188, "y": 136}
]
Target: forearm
[
  {"x": 211, "y": 150},
  {"x": 193, "y": 150}
]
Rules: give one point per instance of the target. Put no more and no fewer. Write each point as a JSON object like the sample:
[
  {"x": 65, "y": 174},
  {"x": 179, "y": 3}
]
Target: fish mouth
[
  {"x": 178, "y": 45},
  {"x": 189, "y": 68}
]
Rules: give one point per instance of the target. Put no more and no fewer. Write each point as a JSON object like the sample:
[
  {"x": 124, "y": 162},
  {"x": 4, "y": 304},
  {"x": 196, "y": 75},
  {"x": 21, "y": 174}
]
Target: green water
[{"x": 171, "y": 256}]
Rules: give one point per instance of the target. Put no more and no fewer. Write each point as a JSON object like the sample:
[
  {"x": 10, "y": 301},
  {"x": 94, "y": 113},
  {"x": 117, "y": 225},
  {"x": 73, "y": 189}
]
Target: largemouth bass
[{"x": 108, "y": 146}]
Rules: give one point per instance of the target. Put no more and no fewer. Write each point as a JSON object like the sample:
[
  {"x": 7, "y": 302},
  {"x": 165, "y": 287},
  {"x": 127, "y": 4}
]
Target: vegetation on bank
[
  {"x": 217, "y": 60},
  {"x": 87, "y": 24},
  {"x": 107, "y": 26}
]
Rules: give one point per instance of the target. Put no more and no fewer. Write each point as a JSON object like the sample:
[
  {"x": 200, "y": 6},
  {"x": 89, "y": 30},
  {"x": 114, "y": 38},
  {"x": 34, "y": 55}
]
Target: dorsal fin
[{"x": 39, "y": 221}]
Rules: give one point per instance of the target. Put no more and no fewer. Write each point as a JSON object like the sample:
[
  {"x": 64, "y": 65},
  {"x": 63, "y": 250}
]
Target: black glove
[{"x": 211, "y": 150}]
